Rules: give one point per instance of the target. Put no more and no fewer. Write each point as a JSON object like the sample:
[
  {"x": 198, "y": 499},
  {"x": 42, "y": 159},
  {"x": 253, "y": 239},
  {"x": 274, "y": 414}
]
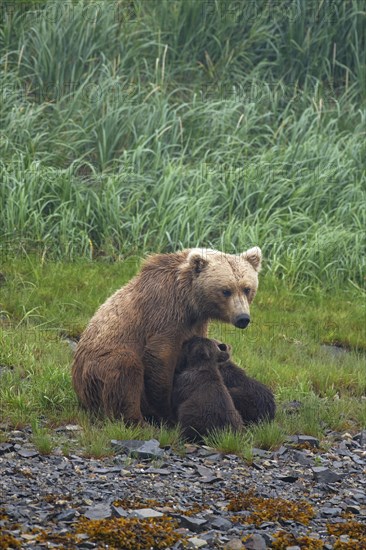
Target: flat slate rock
[
  {"x": 98, "y": 511},
  {"x": 158, "y": 471},
  {"x": 119, "y": 512},
  {"x": 195, "y": 542},
  {"x": 141, "y": 449},
  {"x": 196, "y": 525},
  {"x": 329, "y": 512},
  {"x": 6, "y": 448},
  {"x": 222, "y": 524},
  {"x": 256, "y": 542},
  {"x": 146, "y": 513},
  {"x": 68, "y": 515},
  {"x": 325, "y": 475},
  {"x": 27, "y": 453},
  {"x": 114, "y": 470},
  {"x": 234, "y": 544},
  {"x": 288, "y": 478}
]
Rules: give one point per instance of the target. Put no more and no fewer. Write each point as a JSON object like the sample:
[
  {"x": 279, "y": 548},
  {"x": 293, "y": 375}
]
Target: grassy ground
[
  {"x": 43, "y": 301},
  {"x": 139, "y": 126}
]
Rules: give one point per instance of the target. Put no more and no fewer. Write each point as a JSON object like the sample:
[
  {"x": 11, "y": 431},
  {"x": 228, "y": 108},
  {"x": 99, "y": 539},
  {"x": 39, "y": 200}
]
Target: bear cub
[
  {"x": 252, "y": 399},
  {"x": 200, "y": 399}
]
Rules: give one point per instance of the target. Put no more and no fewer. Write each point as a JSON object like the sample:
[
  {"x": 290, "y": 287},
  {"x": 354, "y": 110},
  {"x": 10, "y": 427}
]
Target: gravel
[{"x": 52, "y": 492}]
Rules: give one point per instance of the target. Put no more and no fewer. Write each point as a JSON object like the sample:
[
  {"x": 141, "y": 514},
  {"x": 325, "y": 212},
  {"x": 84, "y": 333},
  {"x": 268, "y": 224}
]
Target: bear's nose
[{"x": 242, "y": 321}]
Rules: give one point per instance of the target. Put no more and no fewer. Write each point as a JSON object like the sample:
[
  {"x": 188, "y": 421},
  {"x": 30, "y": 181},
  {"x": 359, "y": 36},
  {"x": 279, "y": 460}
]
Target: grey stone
[
  {"x": 6, "y": 448},
  {"x": 68, "y": 515},
  {"x": 358, "y": 460},
  {"x": 255, "y": 542},
  {"x": 268, "y": 538},
  {"x": 114, "y": 470},
  {"x": 261, "y": 453},
  {"x": 69, "y": 428},
  {"x": 204, "y": 472},
  {"x": 210, "y": 479},
  {"x": 292, "y": 407},
  {"x": 281, "y": 451},
  {"x": 326, "y": 511},
  {"x": 234, "y": 544},
  {"x": 195, "y": 542},
  {"x": 196, "y": 525},
  {"x": 288, "y": 478},
  {"x": 222, "y": 524},
  {"x": 27, "y": 453},
  {"x": 159, "y": 471},
  {"x": 363, "y": 438},
  {"x": 119, "y": 512},
  {"x": 214, "y": 458},
  {"x": 324, "y": 475},
  {"x": 141, "y": 449},
  {"x": 267, "y": 524},
  {"x": 98, "y": 511},
  {"x": 210, "y": 537},
  {"x": 145, "y": 513},
  {"x": 301, "y": 457},
  {"x": 353, "y": 509}
]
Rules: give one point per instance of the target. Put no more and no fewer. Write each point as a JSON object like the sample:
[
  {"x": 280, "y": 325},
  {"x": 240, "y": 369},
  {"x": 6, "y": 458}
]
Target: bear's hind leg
[{"x": 123, "y": 387}]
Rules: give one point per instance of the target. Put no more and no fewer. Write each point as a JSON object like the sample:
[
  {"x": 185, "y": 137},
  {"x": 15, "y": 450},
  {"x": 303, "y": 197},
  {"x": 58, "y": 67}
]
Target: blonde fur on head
[
  {"x": 254, "y": 257},
  {"x": 202, "y": 253}
]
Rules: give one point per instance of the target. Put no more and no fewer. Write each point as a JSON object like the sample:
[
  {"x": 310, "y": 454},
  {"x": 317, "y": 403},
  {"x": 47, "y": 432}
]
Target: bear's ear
[
  {"x": 254, "y": 257},
  {"x": 197, "y": 259}
]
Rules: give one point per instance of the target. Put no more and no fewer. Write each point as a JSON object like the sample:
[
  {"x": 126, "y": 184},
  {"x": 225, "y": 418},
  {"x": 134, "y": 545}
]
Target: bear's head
[
  {"x": 222, "y": 285},
  {"x": 199, "y": 350}
]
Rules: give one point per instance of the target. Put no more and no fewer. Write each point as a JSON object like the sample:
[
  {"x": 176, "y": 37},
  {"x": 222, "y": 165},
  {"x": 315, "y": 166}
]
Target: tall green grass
[{"x": 146, "y": 125}]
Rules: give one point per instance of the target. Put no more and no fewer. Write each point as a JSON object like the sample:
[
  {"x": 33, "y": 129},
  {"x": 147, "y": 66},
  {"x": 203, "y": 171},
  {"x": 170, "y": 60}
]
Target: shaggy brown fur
[
  {"x": 125, "y": 360},
  {"x": 253, "y": 400},
  {"x": 200, "y": 397}
]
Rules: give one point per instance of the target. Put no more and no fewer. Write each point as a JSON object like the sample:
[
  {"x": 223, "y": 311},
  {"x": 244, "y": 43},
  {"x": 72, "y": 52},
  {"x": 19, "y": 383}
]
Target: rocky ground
[{"x": 297, "y": 497}]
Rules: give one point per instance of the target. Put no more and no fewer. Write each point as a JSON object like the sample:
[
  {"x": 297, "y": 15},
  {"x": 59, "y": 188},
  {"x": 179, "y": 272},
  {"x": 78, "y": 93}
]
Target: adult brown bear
[
  {"x": 200, "y": 400},
  {"x": 125, "y": 360}
]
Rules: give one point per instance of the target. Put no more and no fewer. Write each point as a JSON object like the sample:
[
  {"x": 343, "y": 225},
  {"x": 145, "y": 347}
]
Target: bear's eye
[
  {"x": 226, "y": 293},
  {"x": 246, "y": 291}
]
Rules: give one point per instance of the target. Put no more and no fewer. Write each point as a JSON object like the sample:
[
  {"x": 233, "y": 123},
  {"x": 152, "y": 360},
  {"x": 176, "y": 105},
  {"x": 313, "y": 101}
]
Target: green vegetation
[
  {"x": 139, "y": 126},
  {"x": 135, "y": 126},
  {"x": 228, "y": 441},
  {"x": 43, "y": 302}
]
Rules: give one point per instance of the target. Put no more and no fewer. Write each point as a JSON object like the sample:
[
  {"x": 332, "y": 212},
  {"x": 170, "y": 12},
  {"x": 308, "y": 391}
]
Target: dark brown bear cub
[
  {"x": 252, "y": 399},
  {"x": 200, "y": 398}
]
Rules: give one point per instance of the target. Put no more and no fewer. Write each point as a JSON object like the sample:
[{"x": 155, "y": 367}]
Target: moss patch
[
  {"x": 131, "y": 533},
  {"x": 354, "y": 529},
  {"x": 269, "y": 509},
  {"x": 282, "y": 539}
]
